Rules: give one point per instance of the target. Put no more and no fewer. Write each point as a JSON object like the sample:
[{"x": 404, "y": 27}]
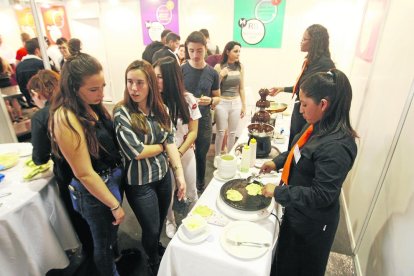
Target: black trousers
[
  {"x": 303, "y": 248},
  {"x": 150, "y": 204},
  {"x": 202, "y": 145}
]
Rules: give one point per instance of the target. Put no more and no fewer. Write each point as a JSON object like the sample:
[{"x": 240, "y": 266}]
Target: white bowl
[{"x": 194, "y": 225}]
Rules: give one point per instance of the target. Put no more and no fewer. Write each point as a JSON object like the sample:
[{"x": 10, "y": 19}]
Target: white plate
[
  {"x": 8, "y": 160},
  {"x": 195, "y": 240},
  {"x": 216, "y": 176},
  {"x": 245, "y": 231}
]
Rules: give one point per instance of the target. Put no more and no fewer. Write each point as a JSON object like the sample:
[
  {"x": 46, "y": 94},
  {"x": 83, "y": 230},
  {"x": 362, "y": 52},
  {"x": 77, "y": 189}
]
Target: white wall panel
[
  {"x": 382, "y": 103},
  {"x": 380, "y": 93},
  {"x": 387, "y": 244}
]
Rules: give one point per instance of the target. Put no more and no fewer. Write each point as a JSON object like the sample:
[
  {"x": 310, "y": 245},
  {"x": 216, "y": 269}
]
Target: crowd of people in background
[
  {"x": 153, "y": 148},
  {"x": 19, "y": 68}
]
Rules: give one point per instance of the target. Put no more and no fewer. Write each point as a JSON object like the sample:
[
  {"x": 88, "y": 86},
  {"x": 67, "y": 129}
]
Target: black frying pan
[{"x": 248, "y": 203}]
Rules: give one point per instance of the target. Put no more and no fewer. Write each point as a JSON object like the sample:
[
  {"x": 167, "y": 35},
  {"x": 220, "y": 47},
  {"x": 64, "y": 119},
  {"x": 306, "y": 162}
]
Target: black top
[
  {"x": 24, "y": 71},
  {"x": 4, "y": 80},
  {"x": 151, "y": 49},
  {"x": 163, "y": 52},
  {"x": 315, "y": 181},
  {"x": 323, "y": 64},
  {"x": 109, "y": 157},
  {"x": 200, "y": 82},
  {"x": 42, "y": 147},
  {"x": 40, "y": 136}
]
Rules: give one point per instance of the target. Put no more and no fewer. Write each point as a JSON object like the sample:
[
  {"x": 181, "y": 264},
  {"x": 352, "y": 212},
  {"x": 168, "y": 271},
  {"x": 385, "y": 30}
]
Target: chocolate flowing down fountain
[
  {"x": 262, "y": 116},
  {"x": 260, "y": 128}
]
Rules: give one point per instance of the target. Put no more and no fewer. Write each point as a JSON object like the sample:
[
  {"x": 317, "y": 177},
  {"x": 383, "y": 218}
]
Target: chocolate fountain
[
  {"x": 260, "y": 128},
  {"x": 262, "y": 116}
]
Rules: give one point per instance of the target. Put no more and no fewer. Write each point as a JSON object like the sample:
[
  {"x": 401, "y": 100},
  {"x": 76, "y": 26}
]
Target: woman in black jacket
[
  {"x": 315, "y": 42},
  {"x": 313, "y": 173}
]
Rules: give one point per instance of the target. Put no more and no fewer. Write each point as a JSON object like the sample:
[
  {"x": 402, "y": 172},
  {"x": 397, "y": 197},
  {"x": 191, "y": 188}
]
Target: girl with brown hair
[{"x": 145, "y": 134}]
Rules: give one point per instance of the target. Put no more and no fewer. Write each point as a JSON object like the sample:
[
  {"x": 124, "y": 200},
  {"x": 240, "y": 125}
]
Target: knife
[{"x": 247, "y": 243}]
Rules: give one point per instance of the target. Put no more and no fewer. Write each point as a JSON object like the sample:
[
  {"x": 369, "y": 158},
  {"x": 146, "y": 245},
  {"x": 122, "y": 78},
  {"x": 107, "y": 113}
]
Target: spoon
[{"x": 252, "y": 177}]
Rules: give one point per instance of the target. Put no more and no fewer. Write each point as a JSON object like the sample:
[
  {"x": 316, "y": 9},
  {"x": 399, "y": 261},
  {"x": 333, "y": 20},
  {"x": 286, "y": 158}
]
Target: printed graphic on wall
[
  {"x": 55, "y": 22},
  {"x": 26, "y": 21},
  {"x": 156, "y": 16},
  {"x": 259, "y": 23}
]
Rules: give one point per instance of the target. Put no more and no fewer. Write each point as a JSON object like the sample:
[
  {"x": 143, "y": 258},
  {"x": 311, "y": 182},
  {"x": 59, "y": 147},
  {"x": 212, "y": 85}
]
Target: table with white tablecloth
[
  {"x": 208, "y": 257},
  {"x": 35, "y": 230}
]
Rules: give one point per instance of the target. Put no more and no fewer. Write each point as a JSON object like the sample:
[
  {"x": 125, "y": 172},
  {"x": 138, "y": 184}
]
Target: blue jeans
[
  {"x": 100, "y": 219},
  {"x": 150, "y": 204}
]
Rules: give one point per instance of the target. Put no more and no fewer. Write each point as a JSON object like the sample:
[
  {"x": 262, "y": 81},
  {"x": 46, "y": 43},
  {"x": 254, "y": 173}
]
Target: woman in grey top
[{"x": 232, "y": 106}]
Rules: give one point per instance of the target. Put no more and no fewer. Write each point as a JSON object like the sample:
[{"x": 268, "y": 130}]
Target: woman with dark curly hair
[{"x": 315, "y": 42}]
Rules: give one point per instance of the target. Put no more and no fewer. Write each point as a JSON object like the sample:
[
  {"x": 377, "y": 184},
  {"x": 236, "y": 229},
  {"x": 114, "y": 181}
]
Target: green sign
[{"x": 259, "y": 23}]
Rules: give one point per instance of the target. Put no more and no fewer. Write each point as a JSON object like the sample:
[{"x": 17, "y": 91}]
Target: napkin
[
  {"x": 212, "y": 217},
  {"x": 8, "y": 160},
  {"x": 32, "y": 171}
]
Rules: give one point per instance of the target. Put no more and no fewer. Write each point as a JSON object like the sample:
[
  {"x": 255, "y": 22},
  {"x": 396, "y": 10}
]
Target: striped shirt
[{"x": 147, "y": 170}]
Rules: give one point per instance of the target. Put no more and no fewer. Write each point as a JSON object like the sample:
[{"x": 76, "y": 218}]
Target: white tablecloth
[
  {"x": 209, "y": 258},
  {"x": 34, "y": 228}
]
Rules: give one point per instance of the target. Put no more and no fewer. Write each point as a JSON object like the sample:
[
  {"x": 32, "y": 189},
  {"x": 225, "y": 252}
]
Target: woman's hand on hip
[{"x": 119, "y": 216}]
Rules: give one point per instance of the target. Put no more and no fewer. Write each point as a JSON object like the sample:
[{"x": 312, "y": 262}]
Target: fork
[{"x": 245, "y": 243}]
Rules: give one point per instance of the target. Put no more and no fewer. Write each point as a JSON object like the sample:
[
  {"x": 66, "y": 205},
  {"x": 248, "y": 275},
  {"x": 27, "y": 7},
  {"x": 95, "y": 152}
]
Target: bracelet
[
  {"x": 211, "y": 102},
  {"x": 116, "y": 207},
  {"x": 175, "y": 168}
]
